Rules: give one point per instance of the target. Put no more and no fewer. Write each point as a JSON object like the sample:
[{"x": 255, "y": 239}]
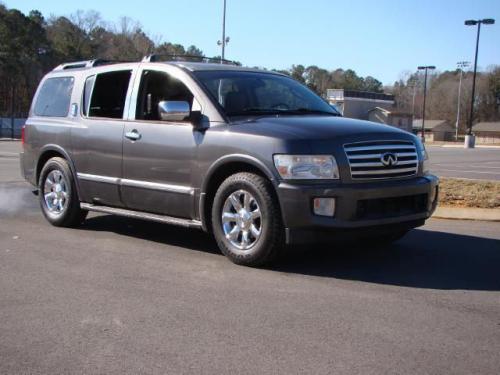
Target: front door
[{"x": 158, "y": 156}]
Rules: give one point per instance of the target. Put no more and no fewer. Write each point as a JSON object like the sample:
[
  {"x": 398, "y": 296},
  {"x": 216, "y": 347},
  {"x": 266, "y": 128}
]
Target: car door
[
  {"x": 158, "y": 156},
  {"x": 97, "y": 140}
]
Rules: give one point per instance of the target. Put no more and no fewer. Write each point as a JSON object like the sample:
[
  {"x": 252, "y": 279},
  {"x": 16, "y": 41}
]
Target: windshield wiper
[
  {"x": 275, "y": 111},
  {"x": 310, "y": 111},
  {"x": 255, "y": 111}
]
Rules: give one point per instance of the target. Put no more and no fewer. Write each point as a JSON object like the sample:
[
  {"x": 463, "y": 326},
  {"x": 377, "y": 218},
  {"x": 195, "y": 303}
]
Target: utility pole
[
  {"x": 225, "y": 40},
  {"x": 426, "y": 68},
  {"x": 12, "y": 108},
  {"x": 469, "y": 138},
  {"x": 461, "y": 65}
]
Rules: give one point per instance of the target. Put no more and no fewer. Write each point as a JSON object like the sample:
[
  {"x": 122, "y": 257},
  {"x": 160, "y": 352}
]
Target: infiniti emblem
[{"x": 389, "y": 158}]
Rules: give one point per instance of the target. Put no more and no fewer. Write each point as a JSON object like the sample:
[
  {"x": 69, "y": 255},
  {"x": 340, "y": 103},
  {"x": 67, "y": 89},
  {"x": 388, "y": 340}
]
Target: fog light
[{"x": 324, "y": 206}]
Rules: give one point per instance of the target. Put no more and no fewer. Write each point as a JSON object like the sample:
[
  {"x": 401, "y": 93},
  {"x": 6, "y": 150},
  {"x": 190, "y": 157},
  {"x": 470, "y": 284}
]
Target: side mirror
[{"x": 174, "y": 110}]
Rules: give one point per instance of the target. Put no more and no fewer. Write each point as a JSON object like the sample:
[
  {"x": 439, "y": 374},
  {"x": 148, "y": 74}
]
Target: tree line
[
  {"x": 442, "y": 95},
  {"x": 31, "y": 45}
]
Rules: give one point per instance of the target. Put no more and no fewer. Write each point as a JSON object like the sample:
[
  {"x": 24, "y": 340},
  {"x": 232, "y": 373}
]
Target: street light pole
[
  {"x": 224, "y": 40},
  {"x": 469, "y": 138},
  {"x": 425, "y": 68},
  {"x": 461, "y": 65}
]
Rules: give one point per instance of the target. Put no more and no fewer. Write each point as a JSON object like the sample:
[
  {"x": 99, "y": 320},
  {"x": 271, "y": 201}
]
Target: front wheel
[
  {"x": 58, "y": 195},
  {"x": 246, "y": 220}
]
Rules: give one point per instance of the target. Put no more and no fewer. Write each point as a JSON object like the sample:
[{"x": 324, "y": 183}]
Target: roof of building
[
  {"x": 487, "y": 127},
  {"x": 432, "y": 125},
  {"x": 341, "y": 93},
  {"x": 388, "y": 112}
]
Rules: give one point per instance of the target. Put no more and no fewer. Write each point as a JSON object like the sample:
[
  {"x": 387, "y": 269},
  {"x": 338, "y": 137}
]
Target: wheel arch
[
  {"x": 51, "y": 151},
  {"x": 222, "y": 169}
]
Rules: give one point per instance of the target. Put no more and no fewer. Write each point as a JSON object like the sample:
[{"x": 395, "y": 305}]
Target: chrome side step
[{"x": 188, "y": 223}]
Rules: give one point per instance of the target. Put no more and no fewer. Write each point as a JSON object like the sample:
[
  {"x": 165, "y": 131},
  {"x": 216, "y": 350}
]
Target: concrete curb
[{"x": 459, "y": 213}]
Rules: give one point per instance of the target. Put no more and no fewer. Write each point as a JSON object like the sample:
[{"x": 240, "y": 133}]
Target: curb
[
  {"x": 476, "y": 146},
  {"x": 458, "y": 213}
]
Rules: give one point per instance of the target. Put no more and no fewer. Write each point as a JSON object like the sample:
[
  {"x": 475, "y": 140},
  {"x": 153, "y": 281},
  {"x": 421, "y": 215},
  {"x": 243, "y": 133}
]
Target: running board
[{"x": 188, "y": 223}]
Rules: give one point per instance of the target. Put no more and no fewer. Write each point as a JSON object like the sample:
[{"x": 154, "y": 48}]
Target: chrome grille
[{"x": 366, "y": 159}]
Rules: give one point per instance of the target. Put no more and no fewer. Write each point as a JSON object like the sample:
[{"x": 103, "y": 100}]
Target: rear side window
[
  {"x": 108, "y": 93},
  {"x": 54, "y": 97}
]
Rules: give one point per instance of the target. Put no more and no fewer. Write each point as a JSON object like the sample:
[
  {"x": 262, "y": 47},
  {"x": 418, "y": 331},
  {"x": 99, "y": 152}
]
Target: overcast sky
[{"x": 381, "y": 38}]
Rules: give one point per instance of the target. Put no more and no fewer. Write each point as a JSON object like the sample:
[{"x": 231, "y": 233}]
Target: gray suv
[{"x": 252, "y": 156}]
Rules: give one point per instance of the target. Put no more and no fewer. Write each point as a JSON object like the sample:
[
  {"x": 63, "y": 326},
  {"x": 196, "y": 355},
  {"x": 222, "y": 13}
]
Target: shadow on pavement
[{"x": 422, "y": 259}]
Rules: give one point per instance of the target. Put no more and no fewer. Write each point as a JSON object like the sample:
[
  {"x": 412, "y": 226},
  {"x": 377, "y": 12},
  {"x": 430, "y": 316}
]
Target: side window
[
  {"x": 109, "y": 92},
  {"x": 87, "y": 92},
  {"x": 54, "y": 97},
  {"x": 157, "y": 86}
]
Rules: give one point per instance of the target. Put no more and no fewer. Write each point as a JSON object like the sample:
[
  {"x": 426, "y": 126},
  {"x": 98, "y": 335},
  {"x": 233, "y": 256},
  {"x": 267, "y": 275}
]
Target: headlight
[
  {"x": 306, "y": 167},
  {"x": 425, "y": 158}
]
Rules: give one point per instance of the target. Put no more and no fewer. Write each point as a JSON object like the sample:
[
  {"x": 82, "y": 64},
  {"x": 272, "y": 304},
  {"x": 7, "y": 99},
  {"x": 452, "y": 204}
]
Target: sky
[{"x": 383, "y": 38}]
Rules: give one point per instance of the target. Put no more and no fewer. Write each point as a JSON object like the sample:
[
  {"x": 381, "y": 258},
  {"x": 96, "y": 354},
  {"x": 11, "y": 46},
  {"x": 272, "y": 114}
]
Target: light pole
[
  {"x": 426, "y": 68},
  {"x": 469, "y": 138},
  {"x": 224, "y": 40},
  {"x": 461, "y": 65},
  {"x": 414, "y": 87}
]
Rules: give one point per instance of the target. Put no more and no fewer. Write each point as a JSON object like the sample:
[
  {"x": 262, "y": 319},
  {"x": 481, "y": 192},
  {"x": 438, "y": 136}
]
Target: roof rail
[
  {"x": 85, "y": 64},
  {"x": 192, "y": 58}
]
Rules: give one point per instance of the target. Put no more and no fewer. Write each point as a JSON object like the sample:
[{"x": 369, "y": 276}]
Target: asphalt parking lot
[
  {"x": 123, "y": 296},
  {"x": 477, "y": 164}
]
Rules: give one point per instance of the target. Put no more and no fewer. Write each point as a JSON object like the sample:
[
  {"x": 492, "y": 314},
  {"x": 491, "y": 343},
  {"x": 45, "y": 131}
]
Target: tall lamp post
[
  {"x": 225, "y": 40},
  {"x": 469, "y": 138},
  {"x": 425, "y": 68},
  {"x": 461, "y": 65}
]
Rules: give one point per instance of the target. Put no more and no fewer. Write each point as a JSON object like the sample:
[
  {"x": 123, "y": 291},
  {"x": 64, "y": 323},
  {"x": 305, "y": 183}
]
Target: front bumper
[{"x": 303, "y": 226}]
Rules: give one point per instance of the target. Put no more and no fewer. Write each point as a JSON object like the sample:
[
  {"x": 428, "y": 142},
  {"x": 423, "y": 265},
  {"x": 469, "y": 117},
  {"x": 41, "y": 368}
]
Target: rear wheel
[
  {"x": 246, "y": 220},
  {"x": 58, "y": 195}
]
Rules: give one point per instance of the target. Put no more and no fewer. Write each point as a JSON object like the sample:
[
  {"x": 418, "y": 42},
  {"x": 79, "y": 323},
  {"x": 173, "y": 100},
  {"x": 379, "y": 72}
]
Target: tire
[
  {"x": 57, "y": 180},
  {"x": 265, "y": 234}
]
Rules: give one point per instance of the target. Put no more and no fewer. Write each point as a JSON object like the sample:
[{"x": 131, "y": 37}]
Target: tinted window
[
  {"x": 246, "y": 93},
  {"x": 109, "y": 94},
  {"x": 54, "y": 97},
  {"x": 157, "y": 86}
]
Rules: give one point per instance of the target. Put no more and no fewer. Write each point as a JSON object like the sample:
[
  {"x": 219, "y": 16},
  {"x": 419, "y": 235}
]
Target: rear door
[
  {"x": 159, "y": 158},
  {"x": 97, "y": 141}
]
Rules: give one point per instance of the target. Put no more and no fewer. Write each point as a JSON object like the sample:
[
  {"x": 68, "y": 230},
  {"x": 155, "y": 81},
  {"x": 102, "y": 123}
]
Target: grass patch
[{"x": 458, "y": 192}]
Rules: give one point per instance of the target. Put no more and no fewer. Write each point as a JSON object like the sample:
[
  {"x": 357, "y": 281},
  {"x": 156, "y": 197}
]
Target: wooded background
[{"x": 31, "y": 45}]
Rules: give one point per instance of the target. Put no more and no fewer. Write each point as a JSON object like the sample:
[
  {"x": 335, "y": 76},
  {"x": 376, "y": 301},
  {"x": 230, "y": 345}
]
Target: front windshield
[{"x": 242, "y": 93}]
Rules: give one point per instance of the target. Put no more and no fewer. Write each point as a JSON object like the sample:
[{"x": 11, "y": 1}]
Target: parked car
[{"x": 253, "y": 157}]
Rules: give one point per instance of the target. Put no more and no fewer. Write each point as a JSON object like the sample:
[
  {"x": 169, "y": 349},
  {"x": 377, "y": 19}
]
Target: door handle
[{"x": 133, "y": 135}]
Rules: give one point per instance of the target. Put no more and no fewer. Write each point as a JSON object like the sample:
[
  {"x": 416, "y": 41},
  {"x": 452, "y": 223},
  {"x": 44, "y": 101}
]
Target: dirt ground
[{"x": 469, "y": 193}]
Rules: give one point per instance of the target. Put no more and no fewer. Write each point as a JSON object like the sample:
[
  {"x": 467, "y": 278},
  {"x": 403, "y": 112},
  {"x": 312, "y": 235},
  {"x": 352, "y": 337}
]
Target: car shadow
[{"x": 422, "y": 259}]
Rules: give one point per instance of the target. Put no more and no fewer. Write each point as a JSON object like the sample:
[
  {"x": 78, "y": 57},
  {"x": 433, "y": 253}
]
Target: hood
[{"x": 318, "y": 128}]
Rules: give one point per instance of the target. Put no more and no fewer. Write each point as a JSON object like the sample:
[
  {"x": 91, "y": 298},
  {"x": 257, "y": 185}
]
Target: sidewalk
[{"x": 459, "y": 213}]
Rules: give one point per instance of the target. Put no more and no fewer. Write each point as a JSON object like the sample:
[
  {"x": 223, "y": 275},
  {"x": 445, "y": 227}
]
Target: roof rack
[
  {"x": 86, "y": 64},
  {"x": 191, "y": 58}
]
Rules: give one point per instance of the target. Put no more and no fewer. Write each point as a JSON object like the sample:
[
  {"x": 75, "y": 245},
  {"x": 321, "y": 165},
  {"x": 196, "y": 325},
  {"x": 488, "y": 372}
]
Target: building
[
  {"x": 435, "y": 130},
  {"x": 401, "y": 120},
  {"x": 357, "y": 104},
  {"x": 487, "y": 132}
]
